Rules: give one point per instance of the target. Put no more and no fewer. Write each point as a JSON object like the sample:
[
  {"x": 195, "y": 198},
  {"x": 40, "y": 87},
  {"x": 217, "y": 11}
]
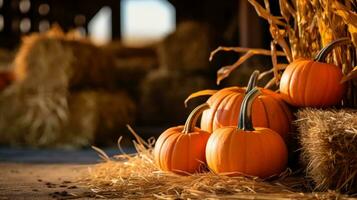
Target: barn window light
[
  {"x": 25, "y": 25},
  {"x": 24, "y": 6},
  {"x": 44, "y": 9},
  {"x": 100, "y": 26},
  {"x": 146, "y": 21},
  {"x": 44, "y": 25}
]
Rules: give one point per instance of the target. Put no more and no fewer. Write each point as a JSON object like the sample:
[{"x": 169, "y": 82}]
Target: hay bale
[
  {"x": 187, "y": 49},
  {"x": 329, "y": 147},
  {"x": 63, "y": 61},
  {"x": 163, "y": 95},
  {"x": 32, "y": 118},
  {"x": 62, "y": 120},
  {"x": 114, "y": 111}
]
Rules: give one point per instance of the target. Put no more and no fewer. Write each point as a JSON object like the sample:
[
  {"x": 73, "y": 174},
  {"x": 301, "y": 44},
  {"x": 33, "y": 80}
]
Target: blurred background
[{"x": 75, "y": 72}]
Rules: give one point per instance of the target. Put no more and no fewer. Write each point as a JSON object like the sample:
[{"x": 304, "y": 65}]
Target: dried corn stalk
[{"x": 303, "y": 28}]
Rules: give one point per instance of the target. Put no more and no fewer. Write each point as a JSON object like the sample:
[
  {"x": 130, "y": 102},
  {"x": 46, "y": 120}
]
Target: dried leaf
[
  {"x": 226, "y": 70},
  {"x": 270, "y": 83},
  {"x": 279, "y": 36},
  {"x": 265, "y": 14},
  {"x": 249, "y": 52},
  {"x": 286, "y": 10},
  {"x": 353, "y": 32},
  {"x": 347, "y": 15},
  {"x": 199, "y": 94},
  {"x": 274, "y": 62},
  {"x": 351, "y": 75},
  {"x": 244, "y": 50},
  {"x": 267, "y": 6},
  {"x": 271, "y": 70}
]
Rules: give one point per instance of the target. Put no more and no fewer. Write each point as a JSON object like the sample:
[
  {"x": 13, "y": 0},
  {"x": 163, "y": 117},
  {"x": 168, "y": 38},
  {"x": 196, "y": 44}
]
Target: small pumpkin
[
  {"x": 269, "y": 109},
  {"x": 181, "y": 149},
  {"x": 246, "y": 150},
  {"x": 313, "y": 83}
]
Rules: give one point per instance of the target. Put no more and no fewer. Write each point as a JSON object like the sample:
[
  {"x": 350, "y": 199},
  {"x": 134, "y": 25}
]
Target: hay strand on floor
[{"x": 136, "y": 176}]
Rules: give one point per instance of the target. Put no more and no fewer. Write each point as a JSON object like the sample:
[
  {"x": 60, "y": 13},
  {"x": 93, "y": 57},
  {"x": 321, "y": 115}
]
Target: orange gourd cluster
[{"x": 243, "y": 130}]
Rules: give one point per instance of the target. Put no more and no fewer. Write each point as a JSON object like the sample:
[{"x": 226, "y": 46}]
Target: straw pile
[
  {"x": 63, "y": 120},
  {"x": 136, "y": 176},
  {"x": 48, "y": 105},
  {"x": 329, "y": 147}
]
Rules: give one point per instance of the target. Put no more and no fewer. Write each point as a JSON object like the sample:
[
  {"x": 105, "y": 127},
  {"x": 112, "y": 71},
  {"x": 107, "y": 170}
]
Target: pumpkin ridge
[
  {"x": 209, "y": 153},
  {"x": 229, "y": 153},
  {"x": 160, "y": 148},
  {"x": 236, "y": 108},
  {"x": 245, "y": 152},
  {"x": 327, "y": 84},
  {"x": 284, "y": 109},
  {"x": 303, "y": 83},
  {"x": 175, "y": 143},
  {"x": 294, "y": 87},
  {"x": 188, "y": 151},
  {"x": 306, "y": 93},
  {"x": 214, "y": 121},
  {"x": 230, "y": 99},
  {"x": 265, "y": 110},
  {"x": 213, "y": 108},
  {"x": 289, "y": 83},
  {"x": 288, "y": 118},
  {"x": 263, "y": 150}
]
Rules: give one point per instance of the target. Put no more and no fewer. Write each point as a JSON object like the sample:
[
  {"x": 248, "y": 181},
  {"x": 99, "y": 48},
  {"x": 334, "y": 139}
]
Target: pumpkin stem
[
  {"x": 192, "y": 118},
  {"x": 245, "y": 116},
  {"x": 252, "y": 81},
  {"x": 321, "y": 56}
]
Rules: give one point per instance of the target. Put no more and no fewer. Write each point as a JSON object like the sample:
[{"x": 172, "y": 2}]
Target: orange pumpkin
[
  {"x": 246, "y": 150},
  {"x": 181, "y": 149},
  {"x": 313, "y": 83},
  {"x": 269, "y": 109}
]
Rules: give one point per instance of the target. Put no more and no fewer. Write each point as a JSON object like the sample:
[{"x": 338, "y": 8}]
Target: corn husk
[{"x": 303, "y": 28}]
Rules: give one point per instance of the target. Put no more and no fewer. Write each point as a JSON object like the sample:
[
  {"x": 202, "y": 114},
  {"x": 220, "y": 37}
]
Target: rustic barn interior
[
  {"x": 178, "y": 99},
  {"x": 140, "y": 79}
]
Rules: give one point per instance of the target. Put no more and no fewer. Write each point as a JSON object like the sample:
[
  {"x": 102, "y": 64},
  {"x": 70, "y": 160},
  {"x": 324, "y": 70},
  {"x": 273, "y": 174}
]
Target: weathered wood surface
[{"x": 45, "y": 174}]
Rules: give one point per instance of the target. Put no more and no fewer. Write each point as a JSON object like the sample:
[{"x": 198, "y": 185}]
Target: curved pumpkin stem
[
  {"x": 192, "y": 118},
  {"x": 252, "y": 81},
  {"x": 321, "y": 56},
  {"x": 245, "y": 116}
]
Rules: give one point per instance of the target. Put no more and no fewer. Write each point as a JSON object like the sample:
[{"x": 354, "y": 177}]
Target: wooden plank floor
[
  {"x": 45, "y": 174},
  {"x": 40, "y": 181}
]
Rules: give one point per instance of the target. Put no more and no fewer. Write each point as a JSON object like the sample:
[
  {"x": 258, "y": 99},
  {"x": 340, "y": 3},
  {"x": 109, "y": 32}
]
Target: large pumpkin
[
  {"x": 181, "y": 149},
  {"x": 269, "y": 109},
  {"x": 246, "y": 150},
  {"x": 313, "y": 83}
]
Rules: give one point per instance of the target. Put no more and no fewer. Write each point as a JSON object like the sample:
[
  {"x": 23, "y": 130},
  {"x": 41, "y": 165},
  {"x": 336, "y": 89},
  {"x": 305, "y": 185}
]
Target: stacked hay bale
[
  {"x": 184, "y": 66},
  {"x": 49, "y": 105},
  {"x": 329, "y": 147}
]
